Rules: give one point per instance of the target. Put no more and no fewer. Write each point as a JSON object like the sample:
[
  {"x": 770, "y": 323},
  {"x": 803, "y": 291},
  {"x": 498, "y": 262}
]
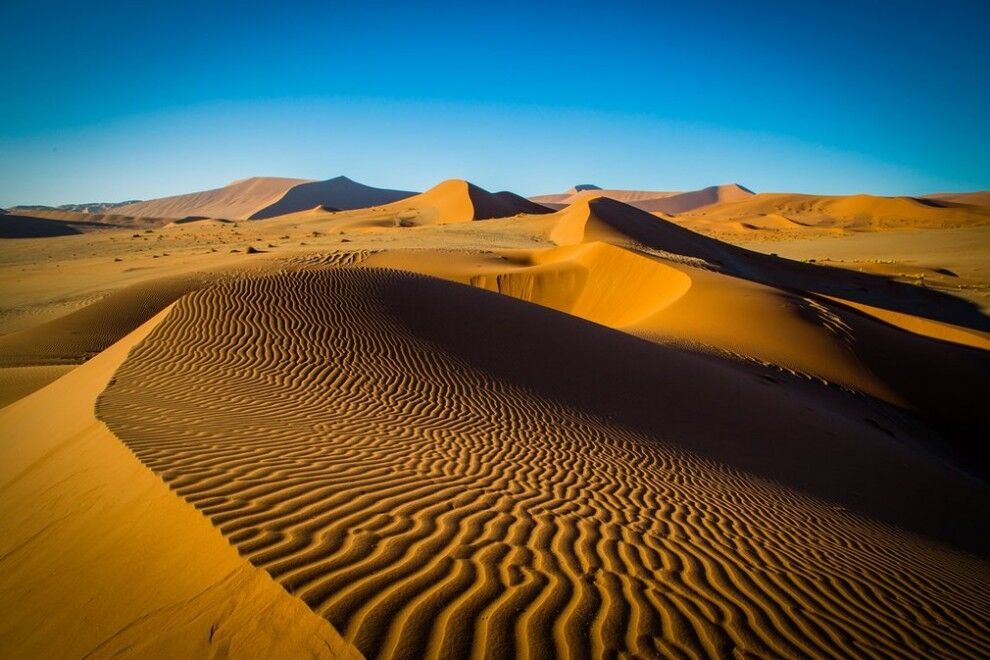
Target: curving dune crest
[{"x": 439, "y": 470}]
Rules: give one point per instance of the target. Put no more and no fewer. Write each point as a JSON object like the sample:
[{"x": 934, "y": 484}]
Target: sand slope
[
  {"x": 438, "y": 469},
  {"x": 238, "y": 200},
  {"x": 99, "y": 559}
]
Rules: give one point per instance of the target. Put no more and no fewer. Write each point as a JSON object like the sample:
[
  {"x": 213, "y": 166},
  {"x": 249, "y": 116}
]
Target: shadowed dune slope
[
  {"x": 821, "y": 337},
  {"x": 439, "y": 469},
  {"x": 236, "y": 201},
  {"x": 339, "y": 193},
  {"x": 979, "y": 198},
  {"x": 23, "y": 226},
  {"x": 99, "y": 559}
]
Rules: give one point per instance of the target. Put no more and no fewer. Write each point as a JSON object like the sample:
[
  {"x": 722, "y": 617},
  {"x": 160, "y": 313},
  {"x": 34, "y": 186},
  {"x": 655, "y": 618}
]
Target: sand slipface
[{"x": 604, "y": 434}]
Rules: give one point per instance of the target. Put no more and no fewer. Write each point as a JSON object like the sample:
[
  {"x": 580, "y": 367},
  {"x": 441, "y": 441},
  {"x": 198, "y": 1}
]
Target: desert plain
[{"x": 291, "y": 418}]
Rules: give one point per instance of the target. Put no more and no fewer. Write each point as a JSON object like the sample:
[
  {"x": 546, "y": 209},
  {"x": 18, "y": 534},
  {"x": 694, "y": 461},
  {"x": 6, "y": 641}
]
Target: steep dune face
[
  {"x": 456, "y": 200},
  {"x": 237, "y": 201},
  {"x": 339, "y": 193},
  {"x": 99, "y": 559},
  {"x": 439, "y": 470}
]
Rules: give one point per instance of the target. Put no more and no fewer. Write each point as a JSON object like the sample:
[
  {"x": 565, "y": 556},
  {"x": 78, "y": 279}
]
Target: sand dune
[
  {"x": 456, "y": 200},
  {"x": 418, "y": 463},
  {"x": 696, "y": 199},
  {"x": 822, "y": 214},
  {"x": 979, "y": 198},
  {"x": 339, "y": 193},
  {"x": 238, "y": 200},
  {"x": 653, "y": 201}
]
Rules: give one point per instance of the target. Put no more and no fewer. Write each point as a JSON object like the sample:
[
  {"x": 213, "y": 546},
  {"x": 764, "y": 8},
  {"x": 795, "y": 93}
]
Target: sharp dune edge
[
  {"x": 399, "y": 432},
  {"x": 91, "y": 537}
]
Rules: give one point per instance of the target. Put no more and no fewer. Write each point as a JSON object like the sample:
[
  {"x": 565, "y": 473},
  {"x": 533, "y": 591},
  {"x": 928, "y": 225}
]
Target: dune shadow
[{"x": 842, "y": 447}]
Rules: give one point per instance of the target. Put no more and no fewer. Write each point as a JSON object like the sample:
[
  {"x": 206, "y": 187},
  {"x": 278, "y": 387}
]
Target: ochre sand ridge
[{"x": 437, "y": 469}]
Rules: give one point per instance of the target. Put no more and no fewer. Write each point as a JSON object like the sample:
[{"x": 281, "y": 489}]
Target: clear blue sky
[{"x": 103, "y": 101}]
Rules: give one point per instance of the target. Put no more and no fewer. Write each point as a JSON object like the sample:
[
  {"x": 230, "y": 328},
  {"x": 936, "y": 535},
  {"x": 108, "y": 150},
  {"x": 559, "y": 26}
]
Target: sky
[{"x": 107, "y": 101}]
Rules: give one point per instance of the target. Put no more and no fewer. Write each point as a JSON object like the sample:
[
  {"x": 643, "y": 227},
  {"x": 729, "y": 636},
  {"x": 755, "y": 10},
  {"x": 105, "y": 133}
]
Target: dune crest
[{"x": 89, "y": 533}]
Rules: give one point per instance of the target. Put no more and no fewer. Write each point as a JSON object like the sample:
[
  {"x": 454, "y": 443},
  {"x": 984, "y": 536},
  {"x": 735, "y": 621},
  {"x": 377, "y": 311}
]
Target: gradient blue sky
[{"x": 104, "y": 101}]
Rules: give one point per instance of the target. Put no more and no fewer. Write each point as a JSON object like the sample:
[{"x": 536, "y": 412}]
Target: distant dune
[
  {"x": 783, "y": 212},
  {"x": 696, "y": 199},
  {"x": 978, "y": 198},
  {"x": 236, "y": 201},
  {"x": 339, "y": 193},
  {"x": 647, "y": 200},
  {"x": 456, "y": 200}
]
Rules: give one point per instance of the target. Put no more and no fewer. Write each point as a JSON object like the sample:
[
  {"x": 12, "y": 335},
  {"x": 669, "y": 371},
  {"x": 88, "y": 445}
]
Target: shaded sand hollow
[{"x": 602, "y": 435}]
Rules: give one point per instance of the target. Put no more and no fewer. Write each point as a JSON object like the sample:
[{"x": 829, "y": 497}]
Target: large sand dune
[
  {"x": 605, "y": 434},
  {"x": 339, "y": 193},
  {"x": 437, "y": 469},
  {"x": 238, "y": 200}
]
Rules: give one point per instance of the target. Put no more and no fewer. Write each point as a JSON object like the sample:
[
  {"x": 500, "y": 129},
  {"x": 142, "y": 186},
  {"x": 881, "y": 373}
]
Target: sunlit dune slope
[
  {"x": 238, "y": 200},
  {"x": 440, "y": 469},
  {"x": 99, "y": 559}
]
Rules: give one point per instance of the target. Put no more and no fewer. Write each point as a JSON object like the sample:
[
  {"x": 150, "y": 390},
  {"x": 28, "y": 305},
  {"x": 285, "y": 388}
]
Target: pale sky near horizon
[{"x": 107, "y": 101}]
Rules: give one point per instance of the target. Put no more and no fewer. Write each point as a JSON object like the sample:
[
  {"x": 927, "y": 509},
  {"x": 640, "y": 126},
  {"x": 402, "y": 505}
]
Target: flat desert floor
[{"x": 421, "y": 429}]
